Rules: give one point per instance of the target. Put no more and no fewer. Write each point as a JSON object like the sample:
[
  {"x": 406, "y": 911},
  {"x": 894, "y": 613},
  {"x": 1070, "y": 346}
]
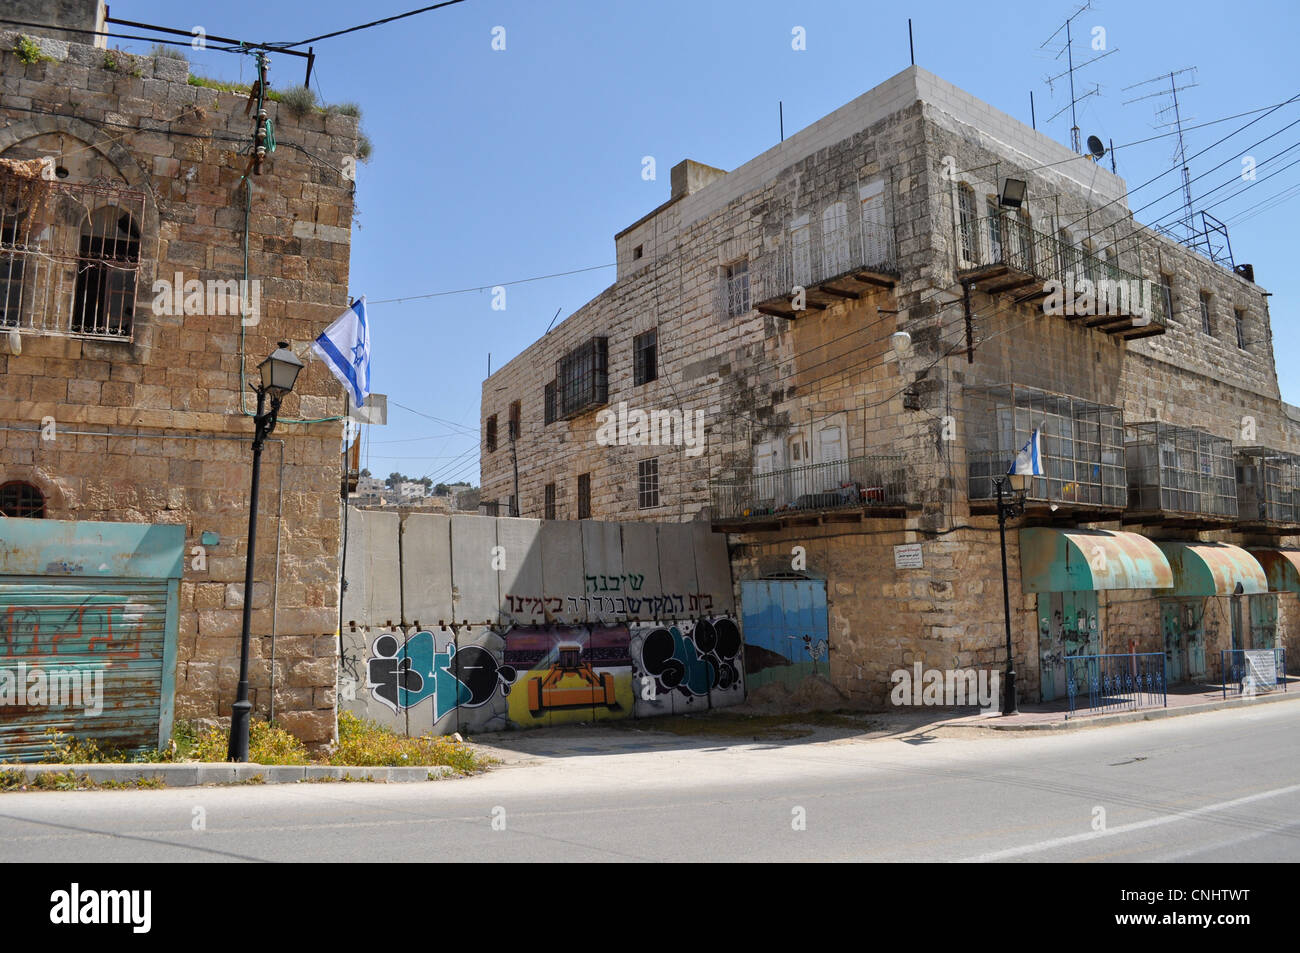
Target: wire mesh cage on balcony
[
  {"x": 1179, "y": 470},
  {"x": 859, "y": 481},
  {"x": 1268, "y": 490},
  {"x": 1082, "y": 444}
]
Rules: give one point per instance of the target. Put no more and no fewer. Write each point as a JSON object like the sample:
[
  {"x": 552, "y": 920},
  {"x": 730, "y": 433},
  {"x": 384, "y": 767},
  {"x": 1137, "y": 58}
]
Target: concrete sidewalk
[
  {"x": 1179, "y": 701},
  {"x": 197, "y": 773}
]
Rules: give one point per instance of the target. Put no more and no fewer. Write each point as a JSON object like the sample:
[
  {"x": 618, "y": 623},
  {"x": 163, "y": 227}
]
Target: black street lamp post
[
  {"x": 279, "y": 373},
  {"x": 1008, "y": 509}
]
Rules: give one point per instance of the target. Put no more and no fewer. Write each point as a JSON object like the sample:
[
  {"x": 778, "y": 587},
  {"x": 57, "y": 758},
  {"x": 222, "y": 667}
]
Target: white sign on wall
[{"x": 908, "y": 556}]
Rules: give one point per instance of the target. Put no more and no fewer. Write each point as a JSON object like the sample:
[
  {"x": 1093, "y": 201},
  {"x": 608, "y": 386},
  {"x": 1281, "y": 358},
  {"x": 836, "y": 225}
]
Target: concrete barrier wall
[{"x": 523, "y": 623}]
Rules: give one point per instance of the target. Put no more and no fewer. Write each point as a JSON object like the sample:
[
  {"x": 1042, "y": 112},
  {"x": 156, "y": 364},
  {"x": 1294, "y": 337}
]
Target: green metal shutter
[{"x": 78, "y": 626}]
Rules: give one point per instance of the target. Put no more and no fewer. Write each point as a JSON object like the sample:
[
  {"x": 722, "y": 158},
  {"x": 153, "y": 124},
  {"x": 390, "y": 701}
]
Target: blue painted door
[{"x": 785, "y": 630}]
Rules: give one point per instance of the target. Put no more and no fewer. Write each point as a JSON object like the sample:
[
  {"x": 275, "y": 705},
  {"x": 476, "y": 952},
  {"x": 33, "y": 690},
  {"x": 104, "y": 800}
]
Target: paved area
[{"x": 1218, "y": 786}]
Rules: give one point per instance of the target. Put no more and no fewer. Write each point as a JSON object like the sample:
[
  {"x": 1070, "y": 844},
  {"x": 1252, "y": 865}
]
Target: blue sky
[{"x": 495, "y": 166}]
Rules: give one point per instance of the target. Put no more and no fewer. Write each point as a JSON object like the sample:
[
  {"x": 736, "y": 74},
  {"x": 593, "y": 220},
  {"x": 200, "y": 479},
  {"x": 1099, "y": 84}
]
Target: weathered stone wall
[{"x": 154, "y": 429}]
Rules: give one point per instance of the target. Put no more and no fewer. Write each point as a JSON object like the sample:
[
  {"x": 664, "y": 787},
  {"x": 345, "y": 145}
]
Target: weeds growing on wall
[{"x": 28, "y": 51}]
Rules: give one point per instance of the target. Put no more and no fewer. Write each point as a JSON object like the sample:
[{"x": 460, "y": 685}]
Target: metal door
[
  {"x": 1183, "y": 623},
  {"x": 785, "y": 630},
  {"x": 1263, "y": 621},
  {"x": 1069, "y": 628}
]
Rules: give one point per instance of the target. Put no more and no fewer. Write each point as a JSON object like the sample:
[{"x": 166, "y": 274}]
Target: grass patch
[
  {"x": 365, "y": 743},
  {"x": 267, "y": 744},
  {"x": 11, "y": 780}
]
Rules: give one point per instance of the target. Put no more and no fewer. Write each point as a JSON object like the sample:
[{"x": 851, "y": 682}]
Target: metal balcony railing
[
  {"x": 69, "y": 256},
  {"x": 1010, "y": 255},
  {"x": 828, "y": 264},
  {"x": 1179, "y": 472},
  {"x": 868, "y": 481}
]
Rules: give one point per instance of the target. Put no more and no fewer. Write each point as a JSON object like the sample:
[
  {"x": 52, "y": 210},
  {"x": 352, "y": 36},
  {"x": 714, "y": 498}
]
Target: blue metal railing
[
  {"x": 1113, "y": 682},
  {"x": 1248, "y": 675}
]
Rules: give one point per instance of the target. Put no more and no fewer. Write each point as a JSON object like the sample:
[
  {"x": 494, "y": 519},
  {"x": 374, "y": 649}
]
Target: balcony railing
[
  {"x": 69, "y": 256},
  {"x": 1082, "y": 445},
  {"x": 1179, "y": 474},
  {"x": 867, "y": 482},
  {"x": 1268, "y": 488},
  {"x": 829, "y": 264},
  {"x": 1008, "y": 255}
]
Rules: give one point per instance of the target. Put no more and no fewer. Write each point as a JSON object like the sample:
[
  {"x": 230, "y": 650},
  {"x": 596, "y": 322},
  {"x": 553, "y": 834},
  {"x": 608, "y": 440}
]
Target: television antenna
[
  {"x": 1164, "y": 121},
  {"x": 1068, "y": 50}
]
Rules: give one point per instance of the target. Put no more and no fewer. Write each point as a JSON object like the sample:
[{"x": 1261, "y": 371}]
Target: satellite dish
[{"x": 1095, "y": 147}]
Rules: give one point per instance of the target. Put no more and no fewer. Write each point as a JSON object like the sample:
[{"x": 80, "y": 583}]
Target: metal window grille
[
  {"x": 1241, "y": 329},
  {"x": 647, "y": 482},
  {"x": 995, "y": 230},
  {"x": 549, "y": 509},
  {"x": 1082, "y": 444},
  {"x": 69, "y": 255},
  {"x": 490, "y": 508},
  {"x": 491, "y": 437},
  {"x": 515, "y": 420},
  {"x": 18, "y": 499},
  {"x": 584, "y": 496},
  {"x": 582, "y": 377},
  {"x": 645, "y": 357},
  {"x": 1179, "y": 470},
  {"x": 869, "y": 481},
  {"x": 1167, "y": 294},
  {"x": 1205, "y": 313},
  {"x": 737, "y": 284}
]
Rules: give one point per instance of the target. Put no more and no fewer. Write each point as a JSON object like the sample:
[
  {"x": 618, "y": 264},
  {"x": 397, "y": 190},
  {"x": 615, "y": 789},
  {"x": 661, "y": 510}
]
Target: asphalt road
[{"x": 1221, "y": 786}]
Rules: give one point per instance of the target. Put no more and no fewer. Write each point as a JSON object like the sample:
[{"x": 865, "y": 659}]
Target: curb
[
  {"x": 200, "y": 774},
  {"x": 1119, "y": 718}
]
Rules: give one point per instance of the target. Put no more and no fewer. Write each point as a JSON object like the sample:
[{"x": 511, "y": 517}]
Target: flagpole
[{"x": 343, "y": 561}]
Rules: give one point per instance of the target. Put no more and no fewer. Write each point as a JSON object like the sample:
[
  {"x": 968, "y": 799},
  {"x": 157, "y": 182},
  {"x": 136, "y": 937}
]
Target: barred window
[
  {"x": 515, "y": 418},
  {"x": 966, "y": 221},
  {"x": 582, "y": 378},
  {"x": 584, "y": 496},
  {"x": 1241, "y": 327},
  {"x": 737, "y": 283},
  {"x": 11, "y": 265},
  {"x": 548, "y": 413},
  {"x": 549, "y": 510},
  {"x": 645, "y": 357},
  {"x": 1205, "y": 313},
  {"x": 647, "y": 483},
  {"x": 104, "y": 302},
  {"x": 22, "y": 500},
  {"x": 491, "y": 433},
  {"x": 490, "y": 507},
  {"x": 1167, "y": 295}
]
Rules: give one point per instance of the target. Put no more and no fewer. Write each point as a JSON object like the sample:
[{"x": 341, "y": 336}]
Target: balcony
[
  {"x": 1082, "y": 450},
  {"x": 1003, "y": 254},
  {"x": 862, "y": 486},
  {"x": 830, "y": 264},
  {"x": 1179, "y": 476},
  {"x": 69, "y": 255},
  {"x": 1268, "y": 492}
]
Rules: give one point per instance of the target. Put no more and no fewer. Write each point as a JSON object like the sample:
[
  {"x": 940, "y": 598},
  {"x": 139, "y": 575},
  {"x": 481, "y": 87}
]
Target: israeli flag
[
  {"x": 1030, "y": 458},
  {"x": 345, "y": 348}
]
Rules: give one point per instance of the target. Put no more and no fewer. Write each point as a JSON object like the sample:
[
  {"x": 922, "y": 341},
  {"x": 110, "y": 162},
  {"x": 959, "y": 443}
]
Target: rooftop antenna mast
[
  {"x": 1163, "y": 121},
  {"x": 1071, "y": 69}
]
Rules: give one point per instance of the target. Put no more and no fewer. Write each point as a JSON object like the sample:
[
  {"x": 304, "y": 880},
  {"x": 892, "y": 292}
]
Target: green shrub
[
  {"x": 28, "y": 51},
  {"x": 167, "y": 52},
  {"x": 267, "y": 744},
  {"x": 366, "y": 743},
  {"x": 299, "y": 100}
]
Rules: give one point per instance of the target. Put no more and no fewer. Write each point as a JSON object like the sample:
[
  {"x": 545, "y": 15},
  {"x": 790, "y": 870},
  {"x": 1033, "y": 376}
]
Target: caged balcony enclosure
[
  {"x": 1179, "y": 474},
  {"x": 69, "y": 255},
  {"x": 1268, "y": 490},
  {"x": 1082, "y": 446}
]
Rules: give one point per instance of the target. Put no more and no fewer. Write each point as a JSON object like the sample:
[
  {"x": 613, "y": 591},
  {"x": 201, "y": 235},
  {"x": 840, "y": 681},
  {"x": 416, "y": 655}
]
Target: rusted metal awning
[
  {"x": 1082, "y": 560},
  {"x": 1213, "y": 569},
  {"x": 1281, "y": 568}
]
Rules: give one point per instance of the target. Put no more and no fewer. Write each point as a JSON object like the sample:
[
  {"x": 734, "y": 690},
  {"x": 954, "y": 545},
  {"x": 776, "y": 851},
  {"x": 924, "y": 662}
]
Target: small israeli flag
[
  {"x": 345, "y": 348},
  {"x": 1030, "y": 458}
]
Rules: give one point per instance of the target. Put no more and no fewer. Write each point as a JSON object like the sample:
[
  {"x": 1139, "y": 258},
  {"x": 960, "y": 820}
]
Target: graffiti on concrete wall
[{"x": 554, "y": 674}]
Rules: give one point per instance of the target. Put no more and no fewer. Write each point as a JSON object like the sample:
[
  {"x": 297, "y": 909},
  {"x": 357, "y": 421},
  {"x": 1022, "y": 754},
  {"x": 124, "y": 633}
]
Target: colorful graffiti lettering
[
  {"x": 693, "y": 664},
  {"x": 403, "y": 675}
]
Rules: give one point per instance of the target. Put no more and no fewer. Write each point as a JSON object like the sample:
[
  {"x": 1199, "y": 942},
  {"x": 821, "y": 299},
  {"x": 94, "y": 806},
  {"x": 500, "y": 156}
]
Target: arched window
[
  {"x": 22, "y": 500},
  {"x": 110, "y": 254}
]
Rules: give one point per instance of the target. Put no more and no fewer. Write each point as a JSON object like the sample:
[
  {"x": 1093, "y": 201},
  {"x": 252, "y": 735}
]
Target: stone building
[
  {"x": 141, "y": 284},
  {"x": 833, "y": 352}
]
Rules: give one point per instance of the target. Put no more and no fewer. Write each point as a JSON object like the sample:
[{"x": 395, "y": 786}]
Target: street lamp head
[
  {"x": 1013, "y": 193},
  {"x": 1019, "y": 482},
  {"x": 901, "y": 342},
  {"x": 280, "y": 370}
]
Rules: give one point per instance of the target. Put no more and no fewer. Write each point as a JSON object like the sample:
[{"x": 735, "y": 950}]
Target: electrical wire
[{"x": 367, "y": 26}]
